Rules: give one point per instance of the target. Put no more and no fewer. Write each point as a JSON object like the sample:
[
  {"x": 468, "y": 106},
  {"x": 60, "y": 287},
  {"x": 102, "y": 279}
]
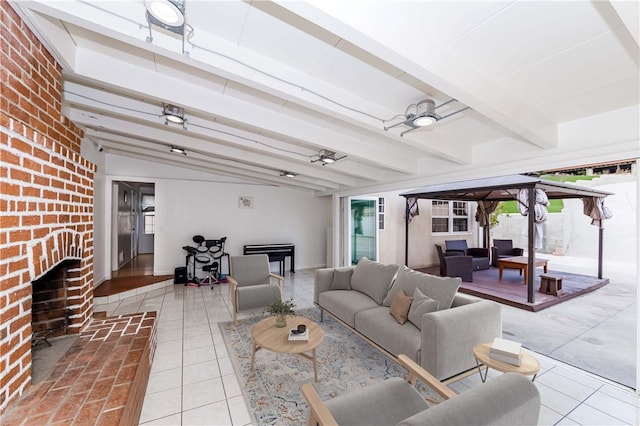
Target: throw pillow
[
  {"x": 421, "y": 305},
  {"x": 373, "y": 279},
  {"x": 400, "y": 307},
  {"x": 442, "y": 289},
  {"x": 341, "y": 279}
]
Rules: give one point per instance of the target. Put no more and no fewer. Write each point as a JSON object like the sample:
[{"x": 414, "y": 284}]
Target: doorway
[
  {"x": 132, "y": 240},
  {"x": 363, "y": 229}
]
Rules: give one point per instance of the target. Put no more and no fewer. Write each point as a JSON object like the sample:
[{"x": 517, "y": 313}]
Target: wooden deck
[{"x": 512, "y": 291}]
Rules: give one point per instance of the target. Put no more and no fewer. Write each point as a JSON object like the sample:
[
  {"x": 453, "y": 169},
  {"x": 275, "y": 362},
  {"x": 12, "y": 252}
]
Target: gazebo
[{"x": 526, "y": 190}]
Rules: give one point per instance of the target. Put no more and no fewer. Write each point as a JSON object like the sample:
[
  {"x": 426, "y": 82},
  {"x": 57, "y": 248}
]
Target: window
[
  {"x": 149, "y": 213},
  {"x": 149, "y": 223},
  {"x": 381, "y": 213},
  {"x": 449, "y": 216}
]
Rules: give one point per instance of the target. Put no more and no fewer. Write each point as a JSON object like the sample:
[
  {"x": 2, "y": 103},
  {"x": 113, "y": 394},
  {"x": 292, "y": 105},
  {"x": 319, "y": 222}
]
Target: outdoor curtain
[
  {"x": 540, "y": 212},
  {"x": 412, "y": 208},
  {"x": 594, "y": 208},
  {"x": 485, "y": 208}
]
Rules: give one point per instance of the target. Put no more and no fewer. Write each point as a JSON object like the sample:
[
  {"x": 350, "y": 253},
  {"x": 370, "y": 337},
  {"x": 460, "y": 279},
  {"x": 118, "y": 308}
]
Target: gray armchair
[
  {"x": 455, "y": 264},
  {"x": 480, "y": 255},
  {"x": 502, "y": 249},
  {"x": 509, "y": 399},
  {"x": 252, "y": 283}
]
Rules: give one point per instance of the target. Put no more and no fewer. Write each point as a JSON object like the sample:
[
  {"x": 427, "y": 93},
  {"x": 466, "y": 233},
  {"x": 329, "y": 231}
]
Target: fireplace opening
[
  {"x": 50, "y": 311},
  {"x": 51, "y": 317}
]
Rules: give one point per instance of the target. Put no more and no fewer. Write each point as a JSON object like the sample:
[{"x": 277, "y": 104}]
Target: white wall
[
  {"x": 188, "y": 208},
  {"x": 189, "y": 203}
]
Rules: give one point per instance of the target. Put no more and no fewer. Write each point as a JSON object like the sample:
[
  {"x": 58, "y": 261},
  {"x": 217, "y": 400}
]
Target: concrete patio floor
[{"x": 595, "y": 332}]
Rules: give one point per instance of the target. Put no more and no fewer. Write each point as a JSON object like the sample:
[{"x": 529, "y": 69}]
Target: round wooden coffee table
[
  {"x": 529, "y": 365},
  {"x": 276, "y": 339}
]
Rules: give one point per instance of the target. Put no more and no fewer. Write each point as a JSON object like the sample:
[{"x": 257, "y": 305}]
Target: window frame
[{"x": 452, "y": 206}]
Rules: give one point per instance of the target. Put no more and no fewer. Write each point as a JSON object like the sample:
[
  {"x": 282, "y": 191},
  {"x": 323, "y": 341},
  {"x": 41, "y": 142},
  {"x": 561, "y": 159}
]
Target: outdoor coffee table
[
  {"x": 521, "y": 263},
  {"x": 529, "y": 365},
  {"x": 267, "y": 336}
]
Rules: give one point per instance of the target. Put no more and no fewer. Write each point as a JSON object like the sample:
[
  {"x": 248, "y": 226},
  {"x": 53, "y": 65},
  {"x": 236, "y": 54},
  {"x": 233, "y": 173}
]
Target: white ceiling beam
[
  {"x": 93, "y": 65},
  {"x": 46, "y": 29},
  {"x": 434, "y": 66},
  {"x": 629, "y": 13},
  {"x": 117, "y": 144},
  {"x": 133, "y": 30},
  {"x": 168, "y": 136}
]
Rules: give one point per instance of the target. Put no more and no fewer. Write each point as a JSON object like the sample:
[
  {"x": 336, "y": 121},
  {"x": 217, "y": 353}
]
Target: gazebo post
[
  {"x": 530, "y": 245},
  {"x": 406, "y": 231},
  {"x": 600, "y": 250}
]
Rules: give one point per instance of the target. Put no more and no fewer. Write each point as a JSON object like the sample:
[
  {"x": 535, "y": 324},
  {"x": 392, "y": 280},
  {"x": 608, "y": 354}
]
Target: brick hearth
[{"x": 101, "y": 379}]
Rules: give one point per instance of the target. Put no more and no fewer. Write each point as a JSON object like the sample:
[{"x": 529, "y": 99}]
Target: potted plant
[{"x": 281, "y": 308}]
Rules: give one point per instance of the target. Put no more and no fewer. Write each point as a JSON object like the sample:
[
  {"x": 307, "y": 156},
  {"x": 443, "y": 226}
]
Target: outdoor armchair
[
  {"x": 504, "y": 248},
  {"x": 455, "y": 264},
  {"x": 252, "y": 283},
  {"x": 480, "y": 255},
  {"x": 509, "y": 399}
]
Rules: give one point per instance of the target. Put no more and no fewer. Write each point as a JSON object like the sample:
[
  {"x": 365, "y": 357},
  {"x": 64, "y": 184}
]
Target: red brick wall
[{"x": 46, "y": 197}]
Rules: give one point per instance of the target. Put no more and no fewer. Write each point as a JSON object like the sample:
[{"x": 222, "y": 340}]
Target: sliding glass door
[{"x": 363, "y": 229}]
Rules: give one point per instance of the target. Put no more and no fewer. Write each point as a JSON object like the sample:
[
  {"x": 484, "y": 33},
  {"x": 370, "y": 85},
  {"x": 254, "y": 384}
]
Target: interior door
[{"x": 363, "y": 229}]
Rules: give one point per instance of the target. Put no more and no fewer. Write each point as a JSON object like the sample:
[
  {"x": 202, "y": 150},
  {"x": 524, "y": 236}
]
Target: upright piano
[{"x": 276, "y": 253}]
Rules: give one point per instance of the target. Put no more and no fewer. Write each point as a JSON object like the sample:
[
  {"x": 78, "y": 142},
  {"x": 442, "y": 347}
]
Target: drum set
[{"x": 204, "y": 257}]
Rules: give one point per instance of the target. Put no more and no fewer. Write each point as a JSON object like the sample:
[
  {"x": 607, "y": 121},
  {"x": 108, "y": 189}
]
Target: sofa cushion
[
  {"x": 377, "y": 325},
  {"x": 344, "y": 304},
  {"x": 420, "y": 305},
  {"x": 383, "y": 403},
  {"x": 442, "y": 289},
  {"x": 341, "y": 279},
  {"x": 373, "y": 279},
  {"x": 400, "y": 307}
]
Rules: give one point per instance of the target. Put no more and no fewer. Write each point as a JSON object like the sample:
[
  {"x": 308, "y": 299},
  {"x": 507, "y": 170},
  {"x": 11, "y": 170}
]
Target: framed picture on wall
[{"x": 245, "y": 202}]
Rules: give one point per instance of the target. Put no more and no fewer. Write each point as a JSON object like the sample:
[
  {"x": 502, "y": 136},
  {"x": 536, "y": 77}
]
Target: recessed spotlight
[
  {"x": 177, "y": 150},
  {"x": 166, "y": 11},
  {"x": 172, "y": 113},
  {"x": 290, "y": 175}
]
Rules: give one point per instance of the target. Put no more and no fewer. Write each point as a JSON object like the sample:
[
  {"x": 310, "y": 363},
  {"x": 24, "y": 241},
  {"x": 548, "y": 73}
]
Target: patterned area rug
[{"x": 272, "y": 390}]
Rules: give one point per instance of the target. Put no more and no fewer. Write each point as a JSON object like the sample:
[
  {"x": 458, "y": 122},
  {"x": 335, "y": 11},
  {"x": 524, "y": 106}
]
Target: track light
[
  {"x": 177, "y": 150},
  {"x": 326, "y": 157},
  {"x": 167, "y": 14},
  {"x": 423, "y": 114},
  {"x": 289, "y": 175},
  {"x": 173, "y": 114}
]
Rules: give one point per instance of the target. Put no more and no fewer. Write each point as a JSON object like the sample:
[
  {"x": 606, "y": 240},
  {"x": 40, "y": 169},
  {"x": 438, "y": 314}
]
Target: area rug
[{"x": 272, "y": 391}]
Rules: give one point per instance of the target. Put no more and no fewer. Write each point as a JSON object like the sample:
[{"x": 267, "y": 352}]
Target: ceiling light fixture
[
  {"x": 289, "y": 175},
  {"x": 167, "y": 14},
  {"x": 326, "y": 157},
  {"x": 423, "y": 115},
  {"x": 177, "y": 150},
  {"x": 172, "y": 113}
]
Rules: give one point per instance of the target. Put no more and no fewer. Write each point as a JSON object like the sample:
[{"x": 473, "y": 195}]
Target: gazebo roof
[{"x": 501, "y": 188}]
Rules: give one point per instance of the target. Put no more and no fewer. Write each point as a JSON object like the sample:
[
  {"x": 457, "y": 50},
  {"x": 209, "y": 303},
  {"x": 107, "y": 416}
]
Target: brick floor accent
[{"x": 101, "y": 380}]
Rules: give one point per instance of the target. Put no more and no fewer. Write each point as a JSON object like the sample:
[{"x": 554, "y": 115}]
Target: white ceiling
[{"x": 266, "y": 85}]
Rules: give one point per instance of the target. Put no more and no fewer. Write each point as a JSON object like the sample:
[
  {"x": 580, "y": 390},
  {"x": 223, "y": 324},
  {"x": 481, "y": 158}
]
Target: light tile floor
[{"x": 192, "y": 379}]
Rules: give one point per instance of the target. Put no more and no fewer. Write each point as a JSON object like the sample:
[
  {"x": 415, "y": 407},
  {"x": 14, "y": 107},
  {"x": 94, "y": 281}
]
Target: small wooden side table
[
  {"x": 529, "y": 365},
  {"x": 276, "y": 339}
]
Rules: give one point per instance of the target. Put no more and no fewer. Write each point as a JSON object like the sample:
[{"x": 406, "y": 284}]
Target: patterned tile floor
[{"x": 192, "y": 380}]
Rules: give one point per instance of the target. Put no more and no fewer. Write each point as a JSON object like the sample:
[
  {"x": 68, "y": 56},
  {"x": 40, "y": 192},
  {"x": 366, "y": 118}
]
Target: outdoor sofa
[{"x": 441, "y": 327}]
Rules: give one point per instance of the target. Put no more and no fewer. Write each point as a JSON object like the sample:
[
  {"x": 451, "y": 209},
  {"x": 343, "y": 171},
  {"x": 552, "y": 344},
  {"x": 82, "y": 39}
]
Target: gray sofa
[{"x": 440, "y": 340}]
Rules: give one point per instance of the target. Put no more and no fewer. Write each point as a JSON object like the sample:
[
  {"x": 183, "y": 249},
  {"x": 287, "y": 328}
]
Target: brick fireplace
[{"x": 46, "y": 201}]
